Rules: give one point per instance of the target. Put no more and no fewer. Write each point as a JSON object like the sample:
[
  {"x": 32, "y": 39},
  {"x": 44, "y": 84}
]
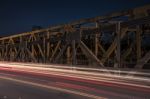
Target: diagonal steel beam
[
  {"x": 113, "y": 46},
  {"x": 90, "y": 54},
  {"x": 55, "y": 50},
  {"x": 143, "y": 60},
  {"x": 60, "y": 53}
]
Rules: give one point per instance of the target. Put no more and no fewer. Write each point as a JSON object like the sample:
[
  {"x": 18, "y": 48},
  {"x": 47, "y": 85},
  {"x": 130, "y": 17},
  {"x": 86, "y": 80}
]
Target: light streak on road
[
  {"x": 54, "y": 88},
  {"x": 70, "y": 77},
  {"x": 74, "y": 73},
  {"x": 80, "y": 68},
  {"x": 66, "y": 71}
]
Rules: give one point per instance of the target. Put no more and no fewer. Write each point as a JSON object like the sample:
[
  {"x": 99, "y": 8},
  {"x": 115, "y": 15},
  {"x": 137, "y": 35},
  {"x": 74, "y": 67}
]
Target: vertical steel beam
[
  {"x": 96, "y": 41},
  {"x": 68, "y": 55},
  {"x": 138, "y": 42},
  {"x": 48, "y": 47},
  {"x": 32, "y": 46},
  {"x": 21, "y": 55},
  {"x": 3, "y": 49},
  {"x": 44, "y": 49},
  {"x": 118, "y": 45},
  {"x": 73, "y": 52},
  {"x": 96, "y": 44}
]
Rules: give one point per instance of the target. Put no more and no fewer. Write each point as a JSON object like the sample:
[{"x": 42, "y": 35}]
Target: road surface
[
  {"x": 13, "y": 90},
  {"x": 15, "y": 84}
]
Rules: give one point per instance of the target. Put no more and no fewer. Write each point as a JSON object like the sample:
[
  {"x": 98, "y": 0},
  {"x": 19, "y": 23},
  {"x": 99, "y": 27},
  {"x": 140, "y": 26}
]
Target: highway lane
[
  {"x": 84, "y": 84},
  {"x": 13, "y": 90},
  {"x": 93, "y": 89}
]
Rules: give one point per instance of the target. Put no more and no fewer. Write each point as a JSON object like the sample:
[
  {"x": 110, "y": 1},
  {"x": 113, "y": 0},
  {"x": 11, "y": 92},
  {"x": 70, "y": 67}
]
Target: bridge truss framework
[{"x": 84, "y": 42}]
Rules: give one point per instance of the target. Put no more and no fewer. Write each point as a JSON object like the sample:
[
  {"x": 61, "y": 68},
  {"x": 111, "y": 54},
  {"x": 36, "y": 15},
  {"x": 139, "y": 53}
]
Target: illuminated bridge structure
[{"x": 114, "y": 40}]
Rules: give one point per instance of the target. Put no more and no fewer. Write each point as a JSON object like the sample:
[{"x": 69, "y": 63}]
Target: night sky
[{"x": 18, "y": 16}]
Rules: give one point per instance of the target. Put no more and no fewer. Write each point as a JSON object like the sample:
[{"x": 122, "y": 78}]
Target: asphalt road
[
  {"x": 24, "y": 85},
  {"x": 14, "y": 90}
]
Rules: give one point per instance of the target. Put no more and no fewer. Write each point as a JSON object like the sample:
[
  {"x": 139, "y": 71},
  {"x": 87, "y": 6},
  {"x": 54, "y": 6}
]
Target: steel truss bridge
[{"x": 114, "y": 40}]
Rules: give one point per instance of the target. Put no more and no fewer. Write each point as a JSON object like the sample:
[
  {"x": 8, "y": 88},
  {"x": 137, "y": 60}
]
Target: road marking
[{"x": 54, "y": 88}]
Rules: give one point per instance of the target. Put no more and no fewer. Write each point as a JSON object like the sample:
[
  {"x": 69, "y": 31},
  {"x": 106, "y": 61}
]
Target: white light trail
[
  {"x": 54, "y": 88},
  {"x": 77, "y": 73}
]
